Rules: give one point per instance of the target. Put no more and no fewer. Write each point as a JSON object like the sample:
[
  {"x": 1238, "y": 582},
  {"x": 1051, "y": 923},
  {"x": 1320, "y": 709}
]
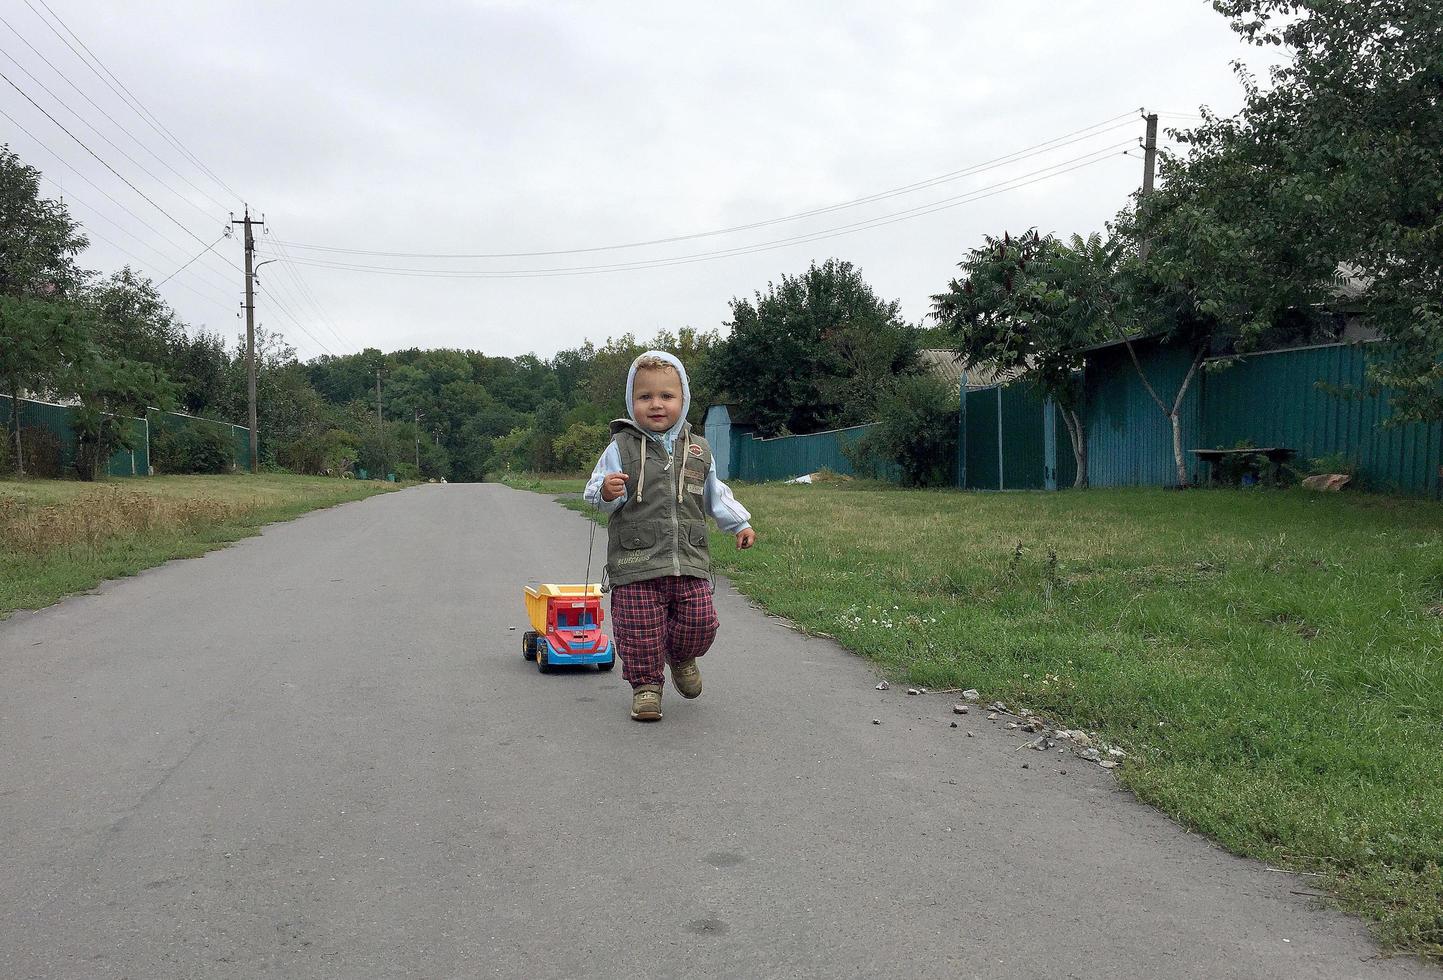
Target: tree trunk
[
  {"x": 1078, "y": 435},
  {"x": 1175, "y": 417}
]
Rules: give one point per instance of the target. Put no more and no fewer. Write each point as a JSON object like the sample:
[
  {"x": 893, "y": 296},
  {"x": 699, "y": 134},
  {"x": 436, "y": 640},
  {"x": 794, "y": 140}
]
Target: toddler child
[{"x": 658, "y": 482}]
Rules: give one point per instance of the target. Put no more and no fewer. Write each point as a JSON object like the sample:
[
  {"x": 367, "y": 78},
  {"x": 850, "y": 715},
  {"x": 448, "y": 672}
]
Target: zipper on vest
[{"x": 675, "y": 519}]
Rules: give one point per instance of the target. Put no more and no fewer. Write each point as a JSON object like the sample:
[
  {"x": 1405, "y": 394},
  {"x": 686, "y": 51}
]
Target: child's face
[{"x": 656, "y": 398}]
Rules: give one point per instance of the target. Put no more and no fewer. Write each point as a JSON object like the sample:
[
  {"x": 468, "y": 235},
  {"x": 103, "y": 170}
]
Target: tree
[
  {"x": 809, "y": 353},
  {"x": 1334, "y": 167},
  {"x": 916, "y": 429},
  {"x": 114, "y": 392},
  {"x": 1023, "y": 306},
  {"x": 39, "y": 338}
]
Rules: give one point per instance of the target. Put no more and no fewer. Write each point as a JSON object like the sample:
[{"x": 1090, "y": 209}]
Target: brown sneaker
[
  {"x": 646, "y": 703},
  {"x": 686, "y": 677}
]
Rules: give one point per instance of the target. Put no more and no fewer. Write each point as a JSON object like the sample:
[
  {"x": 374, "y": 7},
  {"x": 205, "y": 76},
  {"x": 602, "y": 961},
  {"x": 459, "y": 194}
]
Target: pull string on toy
[{"x": 586, "y": 582}]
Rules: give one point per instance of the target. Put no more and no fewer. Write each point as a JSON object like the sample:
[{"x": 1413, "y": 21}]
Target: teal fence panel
[
  {"x": 982, "y": 445},
  {"x": 59, "y": 419},
  {"x": 1290, "y": 398},
  {"x": 786, "y": 457},
  {"x": 1129, "y": 439}
]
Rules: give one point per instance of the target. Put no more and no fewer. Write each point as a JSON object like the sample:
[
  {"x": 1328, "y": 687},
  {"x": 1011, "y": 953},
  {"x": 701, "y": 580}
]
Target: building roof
[{"x": 945, "y": 364}]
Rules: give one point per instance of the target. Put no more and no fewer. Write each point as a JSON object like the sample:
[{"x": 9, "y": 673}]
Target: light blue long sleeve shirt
[{"x": 717, "y": 499}]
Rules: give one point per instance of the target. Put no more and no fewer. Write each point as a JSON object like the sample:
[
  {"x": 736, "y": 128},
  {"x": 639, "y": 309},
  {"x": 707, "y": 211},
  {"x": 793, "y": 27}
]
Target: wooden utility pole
[
  {"x": 250, "y": 247},
  {"x": 417, "y": 411},
  {"x": 1149, "y": 170}
]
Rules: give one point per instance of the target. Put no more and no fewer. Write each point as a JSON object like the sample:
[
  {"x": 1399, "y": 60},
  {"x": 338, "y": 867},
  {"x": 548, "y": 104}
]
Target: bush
[
  {"x": 43, "y": 454},
  {"x": 916, "y": 430},
  {"x": 579, "y": 446},
  {"x": 192, "y": 447}
]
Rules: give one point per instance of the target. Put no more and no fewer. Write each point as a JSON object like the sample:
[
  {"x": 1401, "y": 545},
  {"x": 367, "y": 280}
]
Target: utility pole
[
  {"x": 418, "y": 437},
  {"x": 250, "y": 247},
  {"x": 381, "y": 429},
  {"x": 1149, "y": 169}
]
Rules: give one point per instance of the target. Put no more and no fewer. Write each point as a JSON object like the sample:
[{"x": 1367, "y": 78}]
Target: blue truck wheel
[{"x": 543, "y": 657}]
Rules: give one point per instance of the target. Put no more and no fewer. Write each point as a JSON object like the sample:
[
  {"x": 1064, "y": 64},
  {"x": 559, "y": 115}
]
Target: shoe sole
[
  {"x": 689, "y": 697},
  {"x": 646, "y": 716}
]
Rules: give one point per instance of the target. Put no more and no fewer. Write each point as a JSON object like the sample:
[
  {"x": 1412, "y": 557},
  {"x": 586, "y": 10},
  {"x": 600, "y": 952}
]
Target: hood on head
[{"x": 669, "y": 434}]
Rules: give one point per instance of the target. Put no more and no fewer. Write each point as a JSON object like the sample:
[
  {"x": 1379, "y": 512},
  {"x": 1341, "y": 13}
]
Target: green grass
[
  {"x": 546, "y": 482},
  {"x": 1272, "y": 662},
  {"x": 58, "y": 537}
]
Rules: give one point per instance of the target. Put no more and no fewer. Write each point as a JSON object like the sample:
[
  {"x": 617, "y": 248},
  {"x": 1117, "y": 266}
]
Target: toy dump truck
[{"x": 566, "y": 628}]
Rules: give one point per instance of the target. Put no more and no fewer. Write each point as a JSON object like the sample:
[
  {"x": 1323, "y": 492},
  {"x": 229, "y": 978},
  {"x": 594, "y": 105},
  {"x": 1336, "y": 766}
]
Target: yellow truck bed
[{"x": 537, "y": 596}]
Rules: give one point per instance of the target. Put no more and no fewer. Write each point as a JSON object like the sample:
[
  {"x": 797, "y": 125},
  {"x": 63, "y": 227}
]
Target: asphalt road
[{"x": 319, "y": 753}]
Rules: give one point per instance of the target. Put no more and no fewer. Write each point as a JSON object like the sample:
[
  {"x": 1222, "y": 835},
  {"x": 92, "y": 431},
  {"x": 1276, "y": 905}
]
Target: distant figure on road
[{"x": 657, "y": 560}]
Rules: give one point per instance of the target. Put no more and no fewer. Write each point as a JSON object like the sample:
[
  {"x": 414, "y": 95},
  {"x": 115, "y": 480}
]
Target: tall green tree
[
  {"x": 810, "y": 352},
  {"x": 1333, "y": 168},
  {"x": 1025, "y": 306},
  {"x": 39, "y": 338}
]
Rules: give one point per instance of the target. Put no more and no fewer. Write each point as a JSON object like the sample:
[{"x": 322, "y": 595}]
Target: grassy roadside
[
  {"x": 1272, "y": 663},
  {"x": 58, "y": 537}
]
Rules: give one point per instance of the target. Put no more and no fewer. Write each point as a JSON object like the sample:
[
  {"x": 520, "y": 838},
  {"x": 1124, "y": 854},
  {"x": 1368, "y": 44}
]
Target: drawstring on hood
[{"x": 667, "y": 438}]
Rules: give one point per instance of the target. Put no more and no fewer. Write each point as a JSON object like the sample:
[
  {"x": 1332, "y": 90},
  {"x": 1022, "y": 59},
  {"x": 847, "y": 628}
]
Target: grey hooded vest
[{"x": 661, "y": 529}]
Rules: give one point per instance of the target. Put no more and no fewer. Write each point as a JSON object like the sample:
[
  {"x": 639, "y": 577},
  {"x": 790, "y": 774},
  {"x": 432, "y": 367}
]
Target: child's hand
[
  {"x": 746, "y": 537},
  {"x": 613, "y": 485}
]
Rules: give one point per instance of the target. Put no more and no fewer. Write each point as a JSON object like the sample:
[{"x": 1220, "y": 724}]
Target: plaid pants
[{"x": 659, "y": 621}]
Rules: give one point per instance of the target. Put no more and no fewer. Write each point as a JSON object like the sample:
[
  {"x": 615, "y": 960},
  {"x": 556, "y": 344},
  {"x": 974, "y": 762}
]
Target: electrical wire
[
  {"x": 103, "y": 162},
  {"x": 188, "y": 263},
  {"x": 129, "y": 98},
  {"x": 163, "y": 237},
  {"x": 101, "y": 109},
  {"x": 136, "y": 163},
  {"x": 1056, "y": 143},
  {"x": 878, "y": 221}
]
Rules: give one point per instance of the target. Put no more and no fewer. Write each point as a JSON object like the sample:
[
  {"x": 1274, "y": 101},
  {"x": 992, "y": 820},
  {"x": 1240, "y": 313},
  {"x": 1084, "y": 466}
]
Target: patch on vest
[
  {"x": 696, "y": 487},
  {"x": 632, "y": 559},
  {"x": 695, "y": 450}
]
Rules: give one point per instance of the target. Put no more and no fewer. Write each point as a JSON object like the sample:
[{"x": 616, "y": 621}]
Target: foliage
[
  {"x": 190, "y": 447},
  {"x": 44, "y": 452},
  {"x": 811, "y": 353},
  {"x": 1329, "y": 182},
  {"x": 916, "y": 430},
  {"x": 579, "y": 447},
  {"x": 1026, "y": 306},
  {"x": 113, "y": 394}
]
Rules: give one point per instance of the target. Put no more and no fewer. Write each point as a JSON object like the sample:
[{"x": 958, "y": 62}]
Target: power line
[
  {"x": 67, "y": 164},
  {"x": 131, "y": 102},
  {"x": 284, "y": 259},
  {"x": 103, "y": 162},
  {"x": 63, "y": 76},
  {"x": 199, "y": 210},
  {"x": 1056, "y": 143},
  {"x": 1048, "y": 173},
  {"x": 188, "y": 263}
]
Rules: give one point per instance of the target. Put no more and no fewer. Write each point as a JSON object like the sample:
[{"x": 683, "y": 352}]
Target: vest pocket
[
  {"x": 638, "y": 538},
  {"x": 696, "y": 535}
]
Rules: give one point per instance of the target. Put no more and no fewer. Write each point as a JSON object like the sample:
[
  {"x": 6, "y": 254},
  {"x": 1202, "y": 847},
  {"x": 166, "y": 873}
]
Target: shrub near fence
[{"x": 57, "y": 454}]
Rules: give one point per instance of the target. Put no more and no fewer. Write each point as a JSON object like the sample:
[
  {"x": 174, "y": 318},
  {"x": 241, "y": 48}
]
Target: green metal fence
[
  {"x": 1013, "y": 439},
  {"x": 1297, "y": 398},
  {"x": 59, "y": 420},
  {"x": 785, "y": 457}
]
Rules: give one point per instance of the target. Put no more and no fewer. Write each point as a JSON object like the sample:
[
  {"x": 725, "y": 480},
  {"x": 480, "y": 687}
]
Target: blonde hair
[{"x": 654, "y": 363}]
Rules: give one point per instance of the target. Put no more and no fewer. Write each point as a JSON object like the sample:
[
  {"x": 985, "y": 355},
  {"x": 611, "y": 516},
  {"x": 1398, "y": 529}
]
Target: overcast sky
[{"x": 508, "y": 127}]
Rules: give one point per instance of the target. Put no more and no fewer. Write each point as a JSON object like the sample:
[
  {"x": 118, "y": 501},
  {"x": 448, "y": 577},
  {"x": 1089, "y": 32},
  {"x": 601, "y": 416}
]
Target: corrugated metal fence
[
  {"x": 784, "y": 457},
  {"x": 137, "y": 462},
  {"x": 1291, "y": 398},
  {"x": 1012, "y": 439},
  {"x": 57, "y": 419}
]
